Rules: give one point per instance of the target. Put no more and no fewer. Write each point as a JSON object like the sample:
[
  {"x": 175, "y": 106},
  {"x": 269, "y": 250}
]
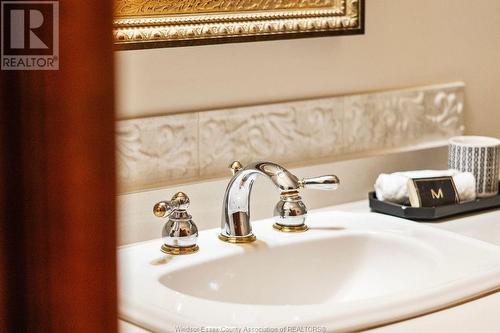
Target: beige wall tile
[
  {"x": 285, "y": 133},
  {"x": 158, "y": 151},
  {"x": 151, "y": 151}
]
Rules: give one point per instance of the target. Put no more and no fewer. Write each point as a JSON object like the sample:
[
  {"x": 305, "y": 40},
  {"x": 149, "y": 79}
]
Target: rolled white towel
[{"x": 394, "y": 187}]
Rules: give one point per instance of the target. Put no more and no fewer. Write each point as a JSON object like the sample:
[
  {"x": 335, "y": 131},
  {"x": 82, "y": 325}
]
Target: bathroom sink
[{"x": 350, "y": 271}]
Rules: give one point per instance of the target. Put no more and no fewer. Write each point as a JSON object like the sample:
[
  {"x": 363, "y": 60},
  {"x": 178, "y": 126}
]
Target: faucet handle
[
  {"x": 180, "y": 200},
  {"x": 328, "y": 182},
  {"x": 180, "y": 233},
  {"x": 235, "y": 167}
]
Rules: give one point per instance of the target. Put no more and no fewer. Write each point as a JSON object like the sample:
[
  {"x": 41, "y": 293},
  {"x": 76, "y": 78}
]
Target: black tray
[{"x": 431, "y": 213}]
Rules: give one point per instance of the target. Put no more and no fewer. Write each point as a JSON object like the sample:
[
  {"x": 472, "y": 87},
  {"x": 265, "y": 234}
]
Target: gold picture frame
[{"x": 167, "y": 23}]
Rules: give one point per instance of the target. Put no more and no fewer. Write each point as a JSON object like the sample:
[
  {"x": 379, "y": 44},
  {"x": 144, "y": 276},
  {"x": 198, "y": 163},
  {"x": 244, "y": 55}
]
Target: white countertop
[
  {"x": 483, "y": 225},
  {"x": 481, "y": 315}
]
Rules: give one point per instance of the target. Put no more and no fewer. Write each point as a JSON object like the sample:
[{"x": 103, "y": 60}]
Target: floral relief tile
[
  {"x": 382, "y": 120},
  {"x": 157, "y": 150},
  {"x": 444, "y": 111},
  {"x": 402, "y": 118},
  {"x": 285, "y": 133}
]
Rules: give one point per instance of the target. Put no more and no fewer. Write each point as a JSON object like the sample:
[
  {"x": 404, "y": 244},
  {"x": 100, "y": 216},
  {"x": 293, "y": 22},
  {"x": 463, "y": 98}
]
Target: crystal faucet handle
[{"x": 328, "y": 183}]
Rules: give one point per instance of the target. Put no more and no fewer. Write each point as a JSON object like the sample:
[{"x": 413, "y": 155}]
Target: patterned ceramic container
[{"x": 479, "y": 155}]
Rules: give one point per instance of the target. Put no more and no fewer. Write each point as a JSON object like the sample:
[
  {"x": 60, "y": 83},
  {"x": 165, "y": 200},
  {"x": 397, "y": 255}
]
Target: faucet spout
[{"x": 235, "y": 224}]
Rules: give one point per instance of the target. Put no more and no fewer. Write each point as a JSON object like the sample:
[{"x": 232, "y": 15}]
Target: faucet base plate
[
  {"x": 237, "y": 240},
  {"x": 176, "y": 251},
  {"x": 290, "y": 228}
]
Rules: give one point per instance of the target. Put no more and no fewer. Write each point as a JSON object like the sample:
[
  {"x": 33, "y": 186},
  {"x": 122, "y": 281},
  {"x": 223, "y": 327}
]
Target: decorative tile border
[
  {"x": 286, "y": 133},
  {"x": 157, "y": 151}
]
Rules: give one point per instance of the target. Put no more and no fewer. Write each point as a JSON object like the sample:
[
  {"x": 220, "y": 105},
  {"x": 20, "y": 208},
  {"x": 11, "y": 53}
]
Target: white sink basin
[{"x": 348, "y": 272}]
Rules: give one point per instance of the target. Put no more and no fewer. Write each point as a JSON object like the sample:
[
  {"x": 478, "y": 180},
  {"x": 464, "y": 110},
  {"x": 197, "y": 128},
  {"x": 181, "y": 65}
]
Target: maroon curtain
[{"x": 57, "y": 183}]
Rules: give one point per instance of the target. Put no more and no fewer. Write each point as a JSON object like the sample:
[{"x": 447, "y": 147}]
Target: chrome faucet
[{"x": 289, "y": 213}]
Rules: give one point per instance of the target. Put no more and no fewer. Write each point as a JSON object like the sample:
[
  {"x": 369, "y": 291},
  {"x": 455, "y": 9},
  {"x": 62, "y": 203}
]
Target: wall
[{"x": 407, "y": 43}]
